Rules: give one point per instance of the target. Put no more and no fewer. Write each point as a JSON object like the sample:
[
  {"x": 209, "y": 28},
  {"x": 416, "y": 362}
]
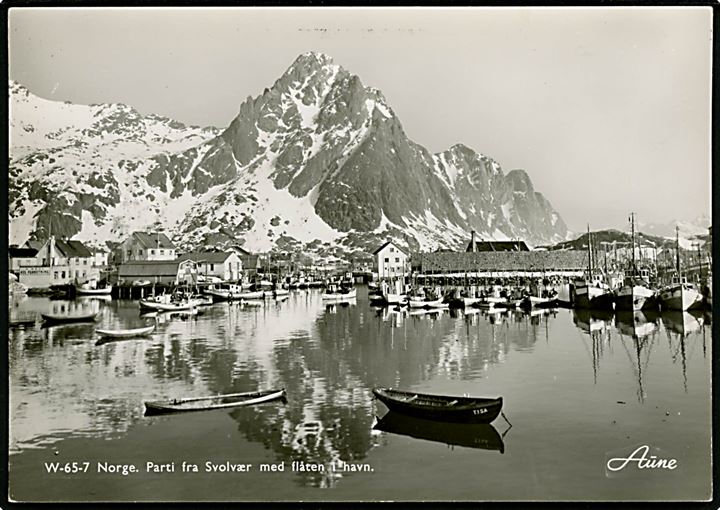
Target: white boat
[
  {"x": 634, "y": 295},
  {"x": 87, "y": 291},
  {"x": 681, "y": 295},
  {"x": 280, "y": 292},
  {"x": 16, "y": 288},
  {"x": 426, "y": 303},
  {"x": 125, "y": 333},
  {"x": 394, "y": 299},
  {"x": 165, "y": 303},
  {"x": 227, "y": 292},
  {"x": 470, "y": 301},
  {"x": 340, "y": 296}
]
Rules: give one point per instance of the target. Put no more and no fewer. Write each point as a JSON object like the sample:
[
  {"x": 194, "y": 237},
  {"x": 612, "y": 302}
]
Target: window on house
[
  {"x": 387, "y": 260},
  {"x": 84, "y": 273},
  {"x": 139, "y": 252},
  {"x": 62, "y": 274},
  {"x": 152, "y": 252},
  {"x": 162, "y": 252},
  {"x": 392, "y": 249},
  {"x": 397, "y": 259},
  {"x": 212, "y": 267},
  {"x": 56, "y": 275},
  {"x": 84, "y": 262}
]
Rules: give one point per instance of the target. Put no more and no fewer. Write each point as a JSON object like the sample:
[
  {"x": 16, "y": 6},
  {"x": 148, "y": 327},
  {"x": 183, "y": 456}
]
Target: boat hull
[
  {"x": 94, "y": 292},
  {"x": 340, "y": 297},
  {"x": 440, "y": 408},
  {"x": 594, "y": 298},
  {"x": 634, "y": 298},
  {"x": 213, "y": 402},
  {"x": 66, "y": 319},
  {"x": 681, "y": 297},
  {"x": 125, "y": 333}
]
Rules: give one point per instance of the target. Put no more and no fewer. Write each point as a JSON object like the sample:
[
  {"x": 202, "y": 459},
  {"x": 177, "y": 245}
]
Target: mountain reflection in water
[{"x": 328, "y": 357}]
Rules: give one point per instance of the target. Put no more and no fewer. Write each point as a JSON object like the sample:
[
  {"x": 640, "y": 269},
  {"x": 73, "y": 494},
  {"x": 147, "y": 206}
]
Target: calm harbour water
[{"x": 578, "y": 389}]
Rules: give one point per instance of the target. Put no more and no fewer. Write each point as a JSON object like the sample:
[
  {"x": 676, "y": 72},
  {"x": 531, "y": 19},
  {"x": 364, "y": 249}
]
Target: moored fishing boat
[
  {"x": 440, "y": 407},
  {"x": 680, "y": 295},
  {"x": 634, "y": 295},
  {"x": 166, "y": 306},
  {"x": 87, "y": 291},
  {"x": 339, "y": 295},
  {"x": 224, "y": 292},
  {"x": 56, "y": 318},
  {"x": 212, "y": 402},
  {"x": 426, "y": 303},
  {"x": 125, "y": 333}
]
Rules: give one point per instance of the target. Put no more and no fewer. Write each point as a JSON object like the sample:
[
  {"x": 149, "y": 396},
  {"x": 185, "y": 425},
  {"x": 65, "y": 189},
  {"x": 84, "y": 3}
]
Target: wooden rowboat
[
  {"x": 213, "y": 402},
  {"x": 55, "y": 318},
  {"x": 440, "y": 407},
  {"x": 471, "y": 435},
  {"x": 125, "y": 333},
  {"x": 94, "y": 292}
]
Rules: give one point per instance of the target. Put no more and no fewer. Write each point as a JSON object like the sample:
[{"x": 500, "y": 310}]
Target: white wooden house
[
  {"x": 392, "y": 261},
  {"x": 226, "y": 266}
]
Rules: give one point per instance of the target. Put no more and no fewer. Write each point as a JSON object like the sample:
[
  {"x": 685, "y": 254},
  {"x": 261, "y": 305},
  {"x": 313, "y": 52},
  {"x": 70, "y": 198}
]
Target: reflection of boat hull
[
  {"x": 440, "y": 407},
  {"x": 635, "y": 324},
  {"x": 681, "y": 297},
  {"x": 471, "y": 435},
  {"x": 682, "y": 323},
  {"x": 213, "y": 402},
  {"x": 634, "y": 298},
  {"x": 427, "y": 303}
]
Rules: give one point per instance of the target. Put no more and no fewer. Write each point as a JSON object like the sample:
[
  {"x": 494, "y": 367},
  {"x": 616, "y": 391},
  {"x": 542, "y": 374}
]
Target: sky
[{"x": 607, "y": 109}]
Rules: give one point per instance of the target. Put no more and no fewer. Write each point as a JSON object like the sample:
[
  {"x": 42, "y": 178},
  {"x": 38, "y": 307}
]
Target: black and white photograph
[{"x": 345, "y": 254}]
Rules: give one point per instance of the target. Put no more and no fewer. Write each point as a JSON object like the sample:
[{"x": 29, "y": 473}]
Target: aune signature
[{"x": 640, "y": 456}]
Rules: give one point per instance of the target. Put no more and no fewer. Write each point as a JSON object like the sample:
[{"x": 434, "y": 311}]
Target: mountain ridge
[{"x": 316, "y": 159}]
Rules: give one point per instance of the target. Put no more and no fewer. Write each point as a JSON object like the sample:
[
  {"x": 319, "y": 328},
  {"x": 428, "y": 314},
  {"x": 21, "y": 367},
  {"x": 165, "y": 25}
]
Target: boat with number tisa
[
  {"x": 212, "y": 402},
  {"x": 440, "y": 407}
]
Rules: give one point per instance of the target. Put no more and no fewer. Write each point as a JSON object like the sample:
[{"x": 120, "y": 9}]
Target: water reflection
[
  {"x": 66, "y": 383},
  {"x": 482, "y": 436}
]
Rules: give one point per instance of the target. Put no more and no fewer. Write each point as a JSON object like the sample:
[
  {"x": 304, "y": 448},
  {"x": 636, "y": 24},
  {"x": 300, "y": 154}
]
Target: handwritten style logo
[{"x": 643, "y": 460}]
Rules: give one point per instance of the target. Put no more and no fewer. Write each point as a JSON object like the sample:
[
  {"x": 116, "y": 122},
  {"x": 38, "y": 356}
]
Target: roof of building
[
  {"x": 214, "y": 257},
  {"x": 498, "y": 246},
  {"x": 153, "y": 240},
  {"x": 149, "y": 268},
  {"x": 35, "y": 244},
  {"x": 16, "y": 253},
  {"x": 387, "y": 243},
  {"x": 72, "y": 249}
]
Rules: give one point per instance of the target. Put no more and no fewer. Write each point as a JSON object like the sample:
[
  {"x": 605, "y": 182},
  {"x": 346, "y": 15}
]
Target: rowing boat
[
  {"x": 212, "y": 402},
  {"x": 471, "y": 435},
  {"x": 440, "y": 407},
  {"x": 125, "y": 333},
  {"x": 65, "y": 318}
]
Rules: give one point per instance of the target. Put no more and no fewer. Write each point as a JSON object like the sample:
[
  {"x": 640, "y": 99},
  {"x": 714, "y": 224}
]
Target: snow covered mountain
[
  {"x": 689, "y": 231},
  {"x": 316, "y": 159}
]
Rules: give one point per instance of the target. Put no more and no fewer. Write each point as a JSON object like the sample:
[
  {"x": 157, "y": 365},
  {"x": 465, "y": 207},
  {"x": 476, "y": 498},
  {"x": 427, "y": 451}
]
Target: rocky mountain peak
[{"x": 315, "y": 160}]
